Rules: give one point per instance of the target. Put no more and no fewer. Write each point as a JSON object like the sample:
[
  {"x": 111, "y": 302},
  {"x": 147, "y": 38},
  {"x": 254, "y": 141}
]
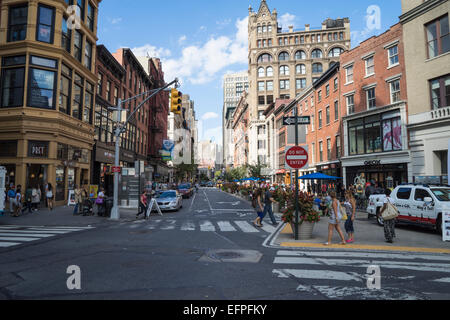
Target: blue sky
[{"x": 199, "y": 41}]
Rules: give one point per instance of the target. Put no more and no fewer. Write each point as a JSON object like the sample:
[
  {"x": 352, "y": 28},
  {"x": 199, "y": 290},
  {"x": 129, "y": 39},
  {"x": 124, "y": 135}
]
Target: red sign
[
  {"x": 116, "y": 169},
  {"x": 296, "y": 158}
]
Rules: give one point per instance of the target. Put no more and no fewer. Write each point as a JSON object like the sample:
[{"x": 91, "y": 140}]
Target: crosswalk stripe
[
  {"x": 268, "y": 228},
  {"x": 446, "y": 280},
  {"x": 207, "y": 226},
  {"x": 374, "y": 255},
  {"x": 188, "y": 226},
  {"x": 8, "y": 244},
  {"x": 225, "y": 226},
  {"x": 18, "y": 239},
  {"x": 246, "y": 227},
  {"x": 35, "y": 231},
  {"x": 35, "y": 235},
  {"x": 170, "y": 225},
  {"x": 153, "y": 224},
  {"x": 319, "y": 274}
]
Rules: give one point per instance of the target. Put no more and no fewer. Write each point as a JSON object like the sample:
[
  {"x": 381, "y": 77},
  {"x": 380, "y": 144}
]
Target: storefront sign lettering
[
  {"x": 37, "y": 149},
  {"x": 372, "y": 163}
]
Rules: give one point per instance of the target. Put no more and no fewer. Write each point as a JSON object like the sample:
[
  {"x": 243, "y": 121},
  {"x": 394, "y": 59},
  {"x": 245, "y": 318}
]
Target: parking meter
[{"x": 2, "y": 189}]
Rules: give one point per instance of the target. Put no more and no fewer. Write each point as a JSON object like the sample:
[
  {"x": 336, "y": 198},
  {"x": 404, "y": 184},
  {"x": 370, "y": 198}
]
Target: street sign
[
  {"x": 290, "y": 121},
  {"x": 296, "y": 158},
  {"x": 116, "y": 169}
]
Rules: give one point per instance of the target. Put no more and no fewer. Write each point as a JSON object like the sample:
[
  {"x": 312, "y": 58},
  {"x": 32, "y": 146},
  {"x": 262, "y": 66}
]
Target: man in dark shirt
[{"x": 268, "y": 200}]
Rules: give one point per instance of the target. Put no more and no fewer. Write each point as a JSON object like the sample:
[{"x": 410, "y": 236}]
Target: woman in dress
[
  {"x": 335, "y": 220},
  {"x": 350, "y": 207},
  {"x": 257, "y": 204},
  {"x": 49, "y": 196}
]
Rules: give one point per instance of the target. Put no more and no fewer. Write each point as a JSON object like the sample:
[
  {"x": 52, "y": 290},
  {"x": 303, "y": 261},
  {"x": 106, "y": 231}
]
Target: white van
[{"x": 418, "y": 204}]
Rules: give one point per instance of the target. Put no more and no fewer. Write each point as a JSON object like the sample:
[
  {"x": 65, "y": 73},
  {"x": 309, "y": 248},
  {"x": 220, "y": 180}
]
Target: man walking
[
  {"x": 268, "y": 200},
  {"x": 12, "y": 199}
]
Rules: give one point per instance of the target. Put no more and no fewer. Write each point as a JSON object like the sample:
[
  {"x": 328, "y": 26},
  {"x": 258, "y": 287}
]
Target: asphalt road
[{"x": 209, "y": 250}]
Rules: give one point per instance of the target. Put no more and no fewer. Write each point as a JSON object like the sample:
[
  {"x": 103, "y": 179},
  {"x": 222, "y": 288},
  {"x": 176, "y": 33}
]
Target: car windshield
[
  {"x": 168, "y": 194},
  {"x": 184, "y": 186},
  {"x": 442, "y": 194}
]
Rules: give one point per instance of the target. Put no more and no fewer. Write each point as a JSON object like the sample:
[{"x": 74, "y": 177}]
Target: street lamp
[{"x": 121, "y": 128}]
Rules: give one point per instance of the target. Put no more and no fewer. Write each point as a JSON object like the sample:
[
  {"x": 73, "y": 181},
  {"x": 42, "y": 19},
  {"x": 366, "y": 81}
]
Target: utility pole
[
  {"x": 296, "y": 176},
  {"x": 121, "y": 128}
]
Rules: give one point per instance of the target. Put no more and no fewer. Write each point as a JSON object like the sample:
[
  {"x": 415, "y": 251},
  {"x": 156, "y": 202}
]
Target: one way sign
[{"x": 289, "y": 121}]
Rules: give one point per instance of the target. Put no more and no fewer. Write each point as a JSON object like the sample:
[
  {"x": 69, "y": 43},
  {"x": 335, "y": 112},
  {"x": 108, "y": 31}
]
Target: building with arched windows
[{"x": 283, "y": 63}]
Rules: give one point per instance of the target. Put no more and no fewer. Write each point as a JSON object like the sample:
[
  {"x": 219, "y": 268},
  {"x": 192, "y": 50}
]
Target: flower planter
[{"x": 305, "y": 230}]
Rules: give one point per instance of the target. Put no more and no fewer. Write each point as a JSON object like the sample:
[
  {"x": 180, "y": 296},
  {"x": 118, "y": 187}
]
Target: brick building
[
  {"x": 240, "y": 132},
  {"x": 323, "y": 135},
  {"x": 373, "y": 102},
  {"x": 109, "y": 87}
]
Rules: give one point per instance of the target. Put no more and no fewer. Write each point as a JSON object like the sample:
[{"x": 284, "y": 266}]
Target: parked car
[
  {"x": 203, "y": 184},
  {"x": 186, "y": 190},
  {"x": 169, "y": 200},
  {"x": 418, "y": 204}
]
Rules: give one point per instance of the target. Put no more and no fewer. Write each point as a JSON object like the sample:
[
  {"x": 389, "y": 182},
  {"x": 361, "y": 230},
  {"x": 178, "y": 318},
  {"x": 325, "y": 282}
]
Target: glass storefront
[
  {"x": 60, "y": 184},
  {"x": 384, "y": 175},
  {"x": 36, "y": 175}
]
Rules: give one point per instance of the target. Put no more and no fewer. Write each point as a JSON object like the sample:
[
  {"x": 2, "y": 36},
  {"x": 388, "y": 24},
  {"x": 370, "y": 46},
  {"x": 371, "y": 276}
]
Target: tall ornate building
[
  {"x": 47, "y": 92},
  {"x": 282, "y": 64}
]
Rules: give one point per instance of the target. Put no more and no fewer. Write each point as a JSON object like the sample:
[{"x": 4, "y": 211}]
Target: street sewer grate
[{"x": 233, "y": 256}]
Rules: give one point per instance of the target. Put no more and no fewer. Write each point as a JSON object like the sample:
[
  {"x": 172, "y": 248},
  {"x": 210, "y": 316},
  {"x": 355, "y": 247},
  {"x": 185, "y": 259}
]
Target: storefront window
[
  {"x": 10, "y": 178},
  {"x": 8, "y": 149},
  {"x": 375, "y": 134},
  {"x": 36, "y": 175},
  {"x": 60, "y": 184},
  {"x": 71, "y": 179}
]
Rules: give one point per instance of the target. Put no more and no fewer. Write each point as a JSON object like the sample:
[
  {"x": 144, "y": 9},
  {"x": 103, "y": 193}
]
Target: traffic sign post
[
  {"x": 296, "y": 158},
  {"x": 290, "y": 121}
]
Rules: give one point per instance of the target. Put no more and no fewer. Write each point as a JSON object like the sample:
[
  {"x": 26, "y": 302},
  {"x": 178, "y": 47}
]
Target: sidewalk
[
  {"x": 63, "y": 216},
  {"x": 368, "y": 236}
]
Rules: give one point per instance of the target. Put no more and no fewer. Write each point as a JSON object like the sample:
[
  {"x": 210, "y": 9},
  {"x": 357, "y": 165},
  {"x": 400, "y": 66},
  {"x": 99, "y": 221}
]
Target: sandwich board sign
[{"x": 153, "y": 204}]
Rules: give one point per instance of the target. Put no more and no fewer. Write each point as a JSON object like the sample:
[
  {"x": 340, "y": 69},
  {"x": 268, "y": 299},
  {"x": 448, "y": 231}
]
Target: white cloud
[
  {"x": 152, "y": 51},
  {"x": 200, "y": 64},
  {"x": 182, "y": 39},
  {"x": 116, "y": 20},
  {"x": 287, "y": 20},
  {"x": 210, "y": 115},
  {"x": 213, "y": 134}
]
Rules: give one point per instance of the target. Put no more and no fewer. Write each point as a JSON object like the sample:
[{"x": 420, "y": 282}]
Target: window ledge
[
  {"x": 393, "y": 66},
  {"x": 437, "y": 57},
  {"x": 348, "y": 83},
  {"x": 369, "y": 75}
]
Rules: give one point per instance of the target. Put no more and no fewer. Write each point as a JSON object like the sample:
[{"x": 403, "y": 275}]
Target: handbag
[
  {"x": 390, "y": 213},
  {"x": 343, "y": 212}
]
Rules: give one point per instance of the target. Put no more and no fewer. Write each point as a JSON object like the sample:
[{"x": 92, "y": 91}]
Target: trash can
[{"x": 109, "y": 203}]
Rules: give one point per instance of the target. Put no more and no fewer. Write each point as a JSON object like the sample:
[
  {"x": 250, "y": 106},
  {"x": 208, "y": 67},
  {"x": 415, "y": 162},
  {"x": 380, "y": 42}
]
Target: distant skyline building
[{"x": 234, "y": 86}]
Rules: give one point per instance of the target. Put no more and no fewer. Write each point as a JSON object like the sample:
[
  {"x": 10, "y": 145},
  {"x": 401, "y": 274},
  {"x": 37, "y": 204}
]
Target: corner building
[
  {"x": 47, "y": 93},
  {"x": 282, "y": 64}
]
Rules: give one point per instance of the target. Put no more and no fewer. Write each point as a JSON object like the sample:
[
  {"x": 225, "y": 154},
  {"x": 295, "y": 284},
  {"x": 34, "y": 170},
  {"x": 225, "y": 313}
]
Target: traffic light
[{"x": 175, "y": 101}]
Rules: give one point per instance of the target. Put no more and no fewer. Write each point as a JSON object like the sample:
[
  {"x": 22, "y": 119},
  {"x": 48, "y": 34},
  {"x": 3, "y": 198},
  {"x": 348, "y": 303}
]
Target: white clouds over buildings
[{"x": 199, "y": 64}]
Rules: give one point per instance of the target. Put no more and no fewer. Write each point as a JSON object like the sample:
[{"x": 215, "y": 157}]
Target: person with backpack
[
  {"x": 12, "y": 200},
  {"x": 18, "y": 201},
  {"x": 35, "y": 198},
  {"x": 389, "y": 213},
  {"x": 28, "y": 199},
  {"x": 257, "y": 204},
  {"x": 268, "y": 200}
]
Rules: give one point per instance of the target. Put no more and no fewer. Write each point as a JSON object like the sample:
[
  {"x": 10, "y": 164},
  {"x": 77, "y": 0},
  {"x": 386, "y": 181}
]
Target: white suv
[{"x": 418, "y": 204}]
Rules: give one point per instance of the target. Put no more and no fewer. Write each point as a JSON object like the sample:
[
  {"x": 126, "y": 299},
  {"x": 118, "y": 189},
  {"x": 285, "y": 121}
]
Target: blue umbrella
[{"x": 318, "y": 176}]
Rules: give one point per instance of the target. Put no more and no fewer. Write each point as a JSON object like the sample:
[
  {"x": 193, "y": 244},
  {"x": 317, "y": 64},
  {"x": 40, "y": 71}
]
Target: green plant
[{"x": 305, "y": 208}]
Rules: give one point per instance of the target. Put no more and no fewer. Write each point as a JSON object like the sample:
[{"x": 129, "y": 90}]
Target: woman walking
[
  {"x": 35, "y": 198},
  {"x": 257, "y": 204},
  {"x": 350, "y": 207},
  {"x": 49, "y": 196},
  {"x": 389, "y": 225},
  {"x": 335, "y": 220},
  {"x": 18, "y": 201}
]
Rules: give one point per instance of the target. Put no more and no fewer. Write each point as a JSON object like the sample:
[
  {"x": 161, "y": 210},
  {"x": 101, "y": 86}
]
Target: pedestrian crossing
[
  {"x": 11, "y": 236},
  {"x": 349, "y": 275},
  {"x": 197, "y": 225}
]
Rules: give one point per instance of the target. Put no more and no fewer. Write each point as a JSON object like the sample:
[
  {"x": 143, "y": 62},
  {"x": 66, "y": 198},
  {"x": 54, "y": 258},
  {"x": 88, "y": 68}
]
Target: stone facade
[
  {"x": 282, "y": 64},
  {"x": 428, "y": 81}
]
